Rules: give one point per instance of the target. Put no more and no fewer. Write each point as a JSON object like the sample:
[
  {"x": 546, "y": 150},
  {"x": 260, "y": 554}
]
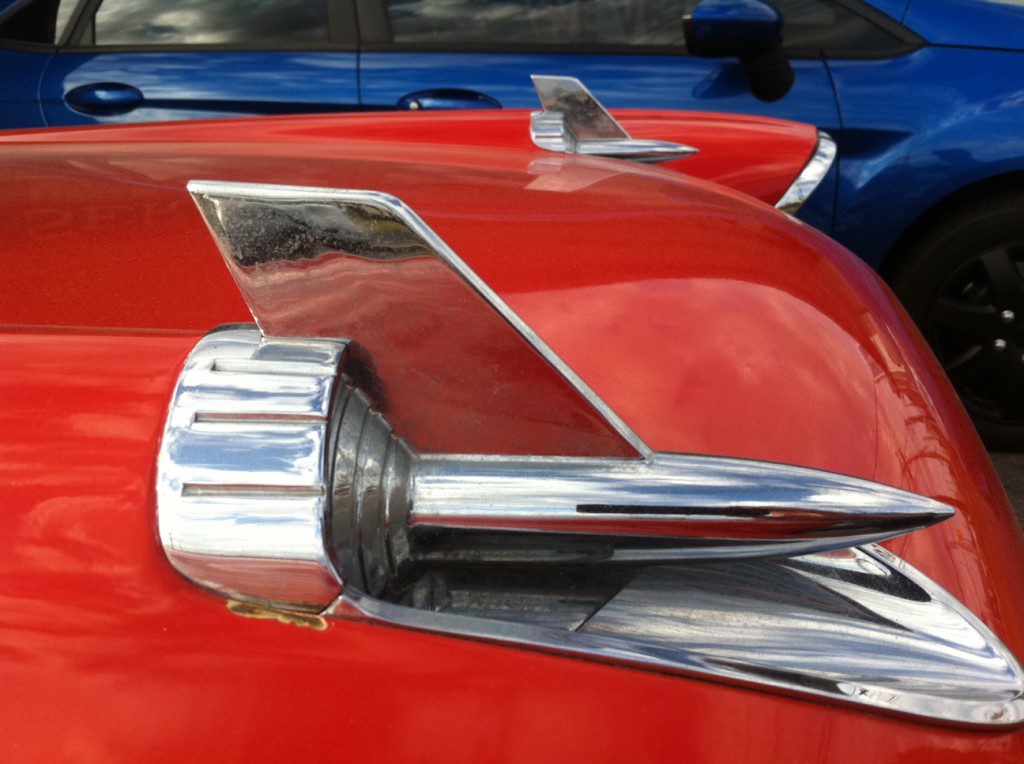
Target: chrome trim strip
[
  {"x": 407, "y": 232},
  {"x": 242, "y": 471},
  {"x": 709, "y": 507},
  {"x": 859, "y": 627},
  {"x": 575, "y": 122},
  {"x": 810, "y": 177}
]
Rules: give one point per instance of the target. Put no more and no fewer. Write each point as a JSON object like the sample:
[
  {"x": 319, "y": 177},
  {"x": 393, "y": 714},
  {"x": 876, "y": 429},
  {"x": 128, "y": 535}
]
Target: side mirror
[{"x": 749, "y": 30}]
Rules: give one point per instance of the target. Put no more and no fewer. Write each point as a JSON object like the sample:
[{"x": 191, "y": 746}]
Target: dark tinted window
[
  {"x": 821, "y": 25},
  {"x": 255, "y": 23},
  {"x": 811, "y": 26},
  {"x": 538, "y": 22},
  {"x": 43, "y": 21}
]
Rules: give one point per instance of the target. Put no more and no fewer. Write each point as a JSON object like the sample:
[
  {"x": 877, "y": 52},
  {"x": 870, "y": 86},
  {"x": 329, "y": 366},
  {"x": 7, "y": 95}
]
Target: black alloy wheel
[
  {"x": 976, "y": 326},
  {"x": 963, "y": 283}
]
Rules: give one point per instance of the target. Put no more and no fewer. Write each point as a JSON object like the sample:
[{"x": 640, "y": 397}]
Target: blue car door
[
  {"x": 141, "y": 60},
  {"x": 29, "y": 33},
  {"x": 630, "y": 53}
]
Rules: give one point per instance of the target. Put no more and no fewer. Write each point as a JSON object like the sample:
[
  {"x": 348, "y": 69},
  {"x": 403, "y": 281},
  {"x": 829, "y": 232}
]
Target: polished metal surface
[
  {"x": 315, "y": 262},
  {"x": 857, "y": 626},
  {"x": 575, "y": 122},
  {"x": 707, "y": 506},
  {"x": 242, "y": 469},
  {"x": 811, "y": 176}
]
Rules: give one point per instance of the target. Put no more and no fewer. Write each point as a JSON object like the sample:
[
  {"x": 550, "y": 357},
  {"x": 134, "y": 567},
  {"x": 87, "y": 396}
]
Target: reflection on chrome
[
  {"x": 575, "y": 122},
  {"x": 858, "y": 626},
  {"x": 811, "y": 176}
]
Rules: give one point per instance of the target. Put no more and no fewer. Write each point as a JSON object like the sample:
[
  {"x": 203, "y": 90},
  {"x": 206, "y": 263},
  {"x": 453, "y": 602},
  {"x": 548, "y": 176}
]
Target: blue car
[{"x": 925, "y": 99}]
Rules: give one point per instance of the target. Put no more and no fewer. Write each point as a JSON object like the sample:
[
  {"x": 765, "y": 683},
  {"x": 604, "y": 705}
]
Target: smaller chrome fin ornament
[
  {"x": 281, "y": 483},
  {"x": 810, "y": 177},
  {"x": 574, "y": 122}
]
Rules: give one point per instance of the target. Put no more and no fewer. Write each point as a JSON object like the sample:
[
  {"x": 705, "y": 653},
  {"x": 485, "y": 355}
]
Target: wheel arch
[{"x": 974, "y": 193}]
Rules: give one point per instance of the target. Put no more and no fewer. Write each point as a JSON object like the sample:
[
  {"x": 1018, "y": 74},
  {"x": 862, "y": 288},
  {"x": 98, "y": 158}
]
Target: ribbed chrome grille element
[{"x": 242, "y": 486}]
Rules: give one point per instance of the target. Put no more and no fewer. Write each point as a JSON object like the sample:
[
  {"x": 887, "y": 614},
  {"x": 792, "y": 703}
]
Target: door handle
[
  {"x": 447, "y": 98},
  {"x": 104, "y": 98}
]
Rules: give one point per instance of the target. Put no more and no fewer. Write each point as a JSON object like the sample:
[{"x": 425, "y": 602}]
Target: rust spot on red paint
[{"x": 308, "y": 620}]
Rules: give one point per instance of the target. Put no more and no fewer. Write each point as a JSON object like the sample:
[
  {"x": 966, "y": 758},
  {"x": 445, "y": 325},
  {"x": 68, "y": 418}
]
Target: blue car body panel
[
  {"x": 204, "y": 84},
  {"x": 894, "y": 9},
  {"x": 905, "y": 147},
  {"x": 993, "y": 24},
  {"x": 19, "y": 98},
  {"x": 912, "y": 130}
]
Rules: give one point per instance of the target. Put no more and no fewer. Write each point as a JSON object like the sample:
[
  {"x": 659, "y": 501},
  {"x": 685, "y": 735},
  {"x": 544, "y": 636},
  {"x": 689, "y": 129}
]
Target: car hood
[
  {"x": 970, "y": 23},
  {"x": 759, "y": 156}
]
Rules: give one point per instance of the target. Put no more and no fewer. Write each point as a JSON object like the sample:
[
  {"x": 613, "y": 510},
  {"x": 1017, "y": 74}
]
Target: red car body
[{"x": 711, "y": 324}]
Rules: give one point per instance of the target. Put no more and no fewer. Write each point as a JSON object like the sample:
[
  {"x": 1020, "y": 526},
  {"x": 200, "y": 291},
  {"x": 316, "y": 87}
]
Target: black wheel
[{"x": 963, "y": 282}]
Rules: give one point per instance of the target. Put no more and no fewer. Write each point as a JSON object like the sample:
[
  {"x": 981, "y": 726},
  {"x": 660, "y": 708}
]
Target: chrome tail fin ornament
[
  {"x": 574, "y": 122},
  {"x": 283, "y": 481}
]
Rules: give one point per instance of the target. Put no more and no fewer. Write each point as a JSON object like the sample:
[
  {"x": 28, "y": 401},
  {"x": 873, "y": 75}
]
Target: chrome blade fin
[
  {"x": 583, "y": 115},
  {"x": 361, "y": 265}
]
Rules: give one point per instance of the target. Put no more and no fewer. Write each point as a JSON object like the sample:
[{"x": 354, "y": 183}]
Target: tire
[{"x": 963, "y": 283}]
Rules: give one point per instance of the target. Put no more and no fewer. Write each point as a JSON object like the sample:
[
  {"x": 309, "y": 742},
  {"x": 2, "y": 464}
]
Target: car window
[
  {"x": 829, "y": 27},
  {"x": 811, "y": 26},
  {"x": 458, "y": 23},
  {"x": 42, "y": 21},
  {"x": 250, "y": 23}
]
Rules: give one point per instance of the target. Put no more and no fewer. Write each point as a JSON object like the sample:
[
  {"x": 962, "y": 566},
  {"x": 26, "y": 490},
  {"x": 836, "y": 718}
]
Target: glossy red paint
[{"x": 711, "y": 325}]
